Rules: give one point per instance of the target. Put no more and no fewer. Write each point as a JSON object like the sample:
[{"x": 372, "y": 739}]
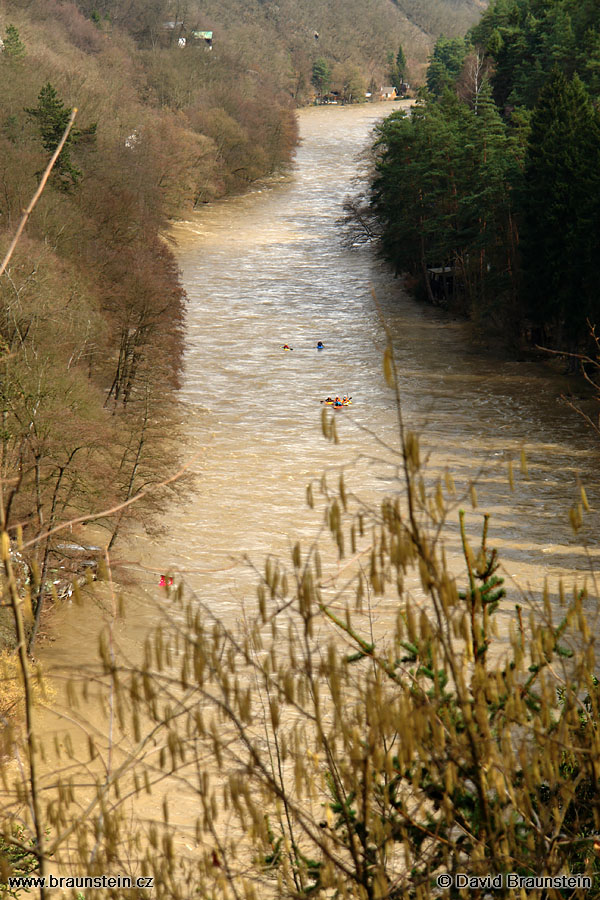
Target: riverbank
[
  {"x": 267, "y": 268},
  {"x": 269, "y": 308},
  {"x": 261, "y": 270}
]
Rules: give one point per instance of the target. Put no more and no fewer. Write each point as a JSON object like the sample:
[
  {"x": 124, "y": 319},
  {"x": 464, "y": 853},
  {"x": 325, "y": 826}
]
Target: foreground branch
[{"x": 39, "y": 192}]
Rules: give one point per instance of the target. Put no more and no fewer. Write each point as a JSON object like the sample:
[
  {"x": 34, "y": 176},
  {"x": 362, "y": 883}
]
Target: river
[{"x": 269, "y": 268}]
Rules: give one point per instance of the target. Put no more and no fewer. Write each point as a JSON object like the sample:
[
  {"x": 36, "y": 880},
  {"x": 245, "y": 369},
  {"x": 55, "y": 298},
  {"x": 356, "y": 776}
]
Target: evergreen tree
[
  {"x": 397, "y": 71},
  {"x": 445, "y": 64},
  {"x": 395, "y": 192},
  {"x": 560, "y": 208},
  {"x": 321, "y": 75},
  {"x": 517, "y": 218},
  {"x": 401, "y": 63},
  {"x": 416, "y": 191},
  {"x": 442, "y": 192},
  {"x": 52, "y": 117},
  {"x": 486, "y": 208},
  {"x": 526, "y": 38},
  {"x": 14, "y": 48},
  {"x": 589, "y": 64},
  {"x": 557, "y": 39}
]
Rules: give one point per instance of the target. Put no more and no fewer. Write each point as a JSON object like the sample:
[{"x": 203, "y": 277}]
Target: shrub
[
  {"x": 364, "y": 731},
  {"x": 367, "y": 760}
]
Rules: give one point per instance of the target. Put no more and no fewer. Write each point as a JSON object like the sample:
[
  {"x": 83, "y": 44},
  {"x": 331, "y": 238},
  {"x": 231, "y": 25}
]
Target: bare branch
[{"x": 39, "y": 192}]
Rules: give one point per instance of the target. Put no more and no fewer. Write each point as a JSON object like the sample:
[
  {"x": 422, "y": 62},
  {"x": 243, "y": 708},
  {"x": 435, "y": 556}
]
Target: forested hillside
[
  {"x": 494, "y": 181},
  {"x": 91, "y": 303},
  {"x": 448, "y": 17},
  {"x": 280, "y": 41}
]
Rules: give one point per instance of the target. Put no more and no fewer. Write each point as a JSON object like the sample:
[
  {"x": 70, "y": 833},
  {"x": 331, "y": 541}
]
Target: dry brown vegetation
[
  {"x": 309, "y": 751},
  {"x": 91, "y": 305}
]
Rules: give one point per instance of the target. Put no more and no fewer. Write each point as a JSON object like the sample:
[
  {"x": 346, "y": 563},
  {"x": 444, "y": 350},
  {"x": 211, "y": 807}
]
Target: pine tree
[
  {"x": 321, "y": 75},
  {"x": 589, "y": 62},
  {"x": 397, "y": 68},
  {"x": 558, "y": 42},
  {"x": 445, "y": 63},
  {"x": 401, "y": 62},
  {"x": 416, "y": 190},
  {"x": 486, "y": 207},
  {"x": 52, "y": 117},
  {"x": 560, "y": 209},
  {"x": 526, "y": 38},
  {"x": 14, "y": 48}
]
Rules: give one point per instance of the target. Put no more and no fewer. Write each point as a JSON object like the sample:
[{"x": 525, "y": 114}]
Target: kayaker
[
  {"x": 287, "y": 347},
  {"x": 320, "y": 345}
]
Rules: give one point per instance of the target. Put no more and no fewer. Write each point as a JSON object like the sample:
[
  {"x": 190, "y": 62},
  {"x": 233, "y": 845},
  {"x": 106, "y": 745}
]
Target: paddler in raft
[{"x": 344, "y": 401}]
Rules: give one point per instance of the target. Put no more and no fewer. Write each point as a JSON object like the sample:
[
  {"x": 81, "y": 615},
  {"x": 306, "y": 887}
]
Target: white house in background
[{"x": 387, "y": 92}]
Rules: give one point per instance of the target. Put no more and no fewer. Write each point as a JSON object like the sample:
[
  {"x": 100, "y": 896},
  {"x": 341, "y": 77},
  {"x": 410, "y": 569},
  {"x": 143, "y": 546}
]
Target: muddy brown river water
[{"x": 267, "y": 269}]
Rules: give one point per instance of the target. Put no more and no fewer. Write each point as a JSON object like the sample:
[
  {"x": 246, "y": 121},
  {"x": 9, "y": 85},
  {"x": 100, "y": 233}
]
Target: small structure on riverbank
[
  {"x": 441, "y": 280},
  {"x": 177, "y": 30},
  {"x": 206, "y": 36}
]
